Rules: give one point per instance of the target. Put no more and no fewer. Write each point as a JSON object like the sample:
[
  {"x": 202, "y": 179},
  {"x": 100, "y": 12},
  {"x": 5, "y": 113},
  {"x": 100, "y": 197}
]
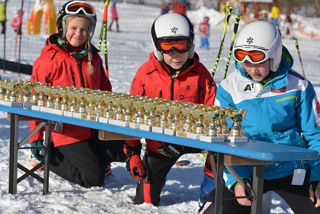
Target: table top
[{"x": 258, "y": 150}]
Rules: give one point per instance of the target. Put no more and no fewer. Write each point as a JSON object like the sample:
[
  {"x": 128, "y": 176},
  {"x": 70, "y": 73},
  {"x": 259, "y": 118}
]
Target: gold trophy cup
[{"x": 236, "y": 132}]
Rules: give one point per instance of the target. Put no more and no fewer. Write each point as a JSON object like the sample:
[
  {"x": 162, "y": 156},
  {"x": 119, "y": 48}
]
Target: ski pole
[
  {"x": 226, "y": 23},
  {"x": 235, "y": 30},
  {"x": 103, "y": 35},
  {"x": 5, "y": 37},
  {"x": 297, "y": 46}
]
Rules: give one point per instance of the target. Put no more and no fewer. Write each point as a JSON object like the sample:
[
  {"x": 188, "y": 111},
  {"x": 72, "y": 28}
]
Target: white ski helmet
[
  {"x": 172, "y": 26},
  {"x": 76, "y": 8},
  {"x": 260, "y": 36}
]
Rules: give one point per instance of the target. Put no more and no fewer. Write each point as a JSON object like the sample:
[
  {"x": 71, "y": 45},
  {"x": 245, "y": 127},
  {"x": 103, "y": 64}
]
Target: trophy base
[
  {"x": 193, "y": 136},
  {"x": 93, "y": 118},
  {"x": 169, "y": 132},
  {"x": 157, "y": 129},
  {"x": 238, "y": 139},
  {"x": 118, "y": 123},
  {"x": 211, "y": 139},
  {"x": 55, "y": 111},
  {"x": 79, "y": 115},
  {"x": 12, "y": 104},
  {"x": 27, "y": 104},
  {"x": 182, "y": 134},
  {"x": 35, "y": 108},
  {"x": 134, "y": 125},
  {"x": 43, "y": 108},
  {"x": 68, "y": 113},
  {"x": 225, "y": 136},
  {"x": 103, "y": 120},
  {"x": 145, "y": 127}
]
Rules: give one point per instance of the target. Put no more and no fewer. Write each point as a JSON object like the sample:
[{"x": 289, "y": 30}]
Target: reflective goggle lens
[
  {"x": 76, "y": 7},
  {"x": 180, "y": 46},
  {"x": 255, "y": 56}
]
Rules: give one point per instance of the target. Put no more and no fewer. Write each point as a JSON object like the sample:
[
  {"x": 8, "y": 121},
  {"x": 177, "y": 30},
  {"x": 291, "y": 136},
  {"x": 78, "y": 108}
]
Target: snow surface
[{"x": 181, "y": 192}]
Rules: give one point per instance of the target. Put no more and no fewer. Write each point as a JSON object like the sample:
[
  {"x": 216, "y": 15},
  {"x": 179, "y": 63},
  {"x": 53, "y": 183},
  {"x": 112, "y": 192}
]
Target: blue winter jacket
[{"x": 284, "y": 110}]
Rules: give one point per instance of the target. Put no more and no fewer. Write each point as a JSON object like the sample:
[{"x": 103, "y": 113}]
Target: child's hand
[{"x": 240, "y": 192}]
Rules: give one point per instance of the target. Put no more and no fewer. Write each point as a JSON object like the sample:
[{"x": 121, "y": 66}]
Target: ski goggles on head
[
  {"x": 254, "y": 56},
  {"x": 76, "y": 7},
  {"x": 179, "y": 45}
]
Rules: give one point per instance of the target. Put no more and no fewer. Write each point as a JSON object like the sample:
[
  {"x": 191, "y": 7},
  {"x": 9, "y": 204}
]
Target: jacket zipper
[
  {"x": 172, "y": 88},
  {"x": 82, "y": 80},
  {"x": 72, "y": 75}
]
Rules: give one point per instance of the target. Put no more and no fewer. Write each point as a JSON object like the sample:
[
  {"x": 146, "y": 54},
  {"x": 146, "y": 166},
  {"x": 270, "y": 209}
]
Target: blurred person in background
[
  {"x": 275, "y": 14},
  {"x": 204, "y": 28},
  {"x": 114, "y": 16}
]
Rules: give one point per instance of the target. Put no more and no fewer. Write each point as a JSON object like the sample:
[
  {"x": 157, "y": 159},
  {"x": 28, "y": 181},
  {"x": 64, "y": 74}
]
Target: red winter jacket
[
  {"x": 57, "y": 67},
  {"x": 153, "y": 79},
  {"x": 114, "y": 14},
  {"x": 204, "y": 29}
]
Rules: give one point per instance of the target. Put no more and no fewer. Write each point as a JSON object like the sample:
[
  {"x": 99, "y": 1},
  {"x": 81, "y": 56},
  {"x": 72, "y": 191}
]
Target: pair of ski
[{"x": 235, "y": 30}]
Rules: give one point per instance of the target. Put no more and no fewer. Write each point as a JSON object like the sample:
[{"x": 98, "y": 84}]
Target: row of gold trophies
[{"x": 196, "y": 121}]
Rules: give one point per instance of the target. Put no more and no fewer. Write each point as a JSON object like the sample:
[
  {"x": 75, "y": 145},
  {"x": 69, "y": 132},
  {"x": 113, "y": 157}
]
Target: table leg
[
  {"x": 47, "y": 158},
  {"x": 257, "y": 186},
  {"x": 13, "y": 160},
  {"x": 219, "y": 182}
]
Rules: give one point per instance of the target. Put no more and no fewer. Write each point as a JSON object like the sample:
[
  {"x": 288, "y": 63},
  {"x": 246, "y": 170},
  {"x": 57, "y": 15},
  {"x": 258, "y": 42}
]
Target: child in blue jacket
[{"x": 282, "y": 108}]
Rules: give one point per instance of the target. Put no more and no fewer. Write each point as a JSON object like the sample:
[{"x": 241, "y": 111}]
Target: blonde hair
[{"x": 87, "y": 45}]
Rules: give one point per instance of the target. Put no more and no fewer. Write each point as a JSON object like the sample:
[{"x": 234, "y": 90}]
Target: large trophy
[
  {"x": 197, "y": 113},
  {"x": 2, "y": 91},
  {"x": 119, "y": 117},
  {"x": 222, "y": 125},
  {"x": 236, "y": 132},
  {"x": 174, "y": 117},
  {"x": 11, "y": 95},
  {"x": 187, "y": 120},
  {"x": 138, "y": 105},
  {"x": 100, "y": 105},
  {"x": 128, "y": 109},
  {"x": 211, "y": 115},
  {"x": 56, "y": 102},
  {"x": 149, "y": 117},
  {"x": 82, "y": 107},
  {"x": 161, "y": 122}
]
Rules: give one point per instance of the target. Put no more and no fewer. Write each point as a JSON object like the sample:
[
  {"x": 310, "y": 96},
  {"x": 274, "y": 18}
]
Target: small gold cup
[
  {"x": 237, "y": 115},
  {"x": 138, "y": 104},
  {"x": 149, "y": 107},
  {"x": 211, "y": 114},
  {"x": 197, "y": 113},
  {"x": 175, "y": 111},
  {"x": 163, "y": 109},
  {"x": 128, "y": 108}
]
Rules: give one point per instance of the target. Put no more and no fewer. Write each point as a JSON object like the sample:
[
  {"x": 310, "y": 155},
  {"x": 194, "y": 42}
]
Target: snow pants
[
  {"x": 158, "y": 166},
  {"x": 85, "y": 162},
  {"x": 297, "y": 197},
  {"x": 204, "y": 43},
  {"x": 111, "y": 23}
]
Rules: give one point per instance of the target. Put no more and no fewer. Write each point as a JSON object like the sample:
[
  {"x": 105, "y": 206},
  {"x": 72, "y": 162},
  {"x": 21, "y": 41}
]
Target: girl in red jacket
[
  {"x": 69, "y": 59},
  {"x": 173, "y": 72}
]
